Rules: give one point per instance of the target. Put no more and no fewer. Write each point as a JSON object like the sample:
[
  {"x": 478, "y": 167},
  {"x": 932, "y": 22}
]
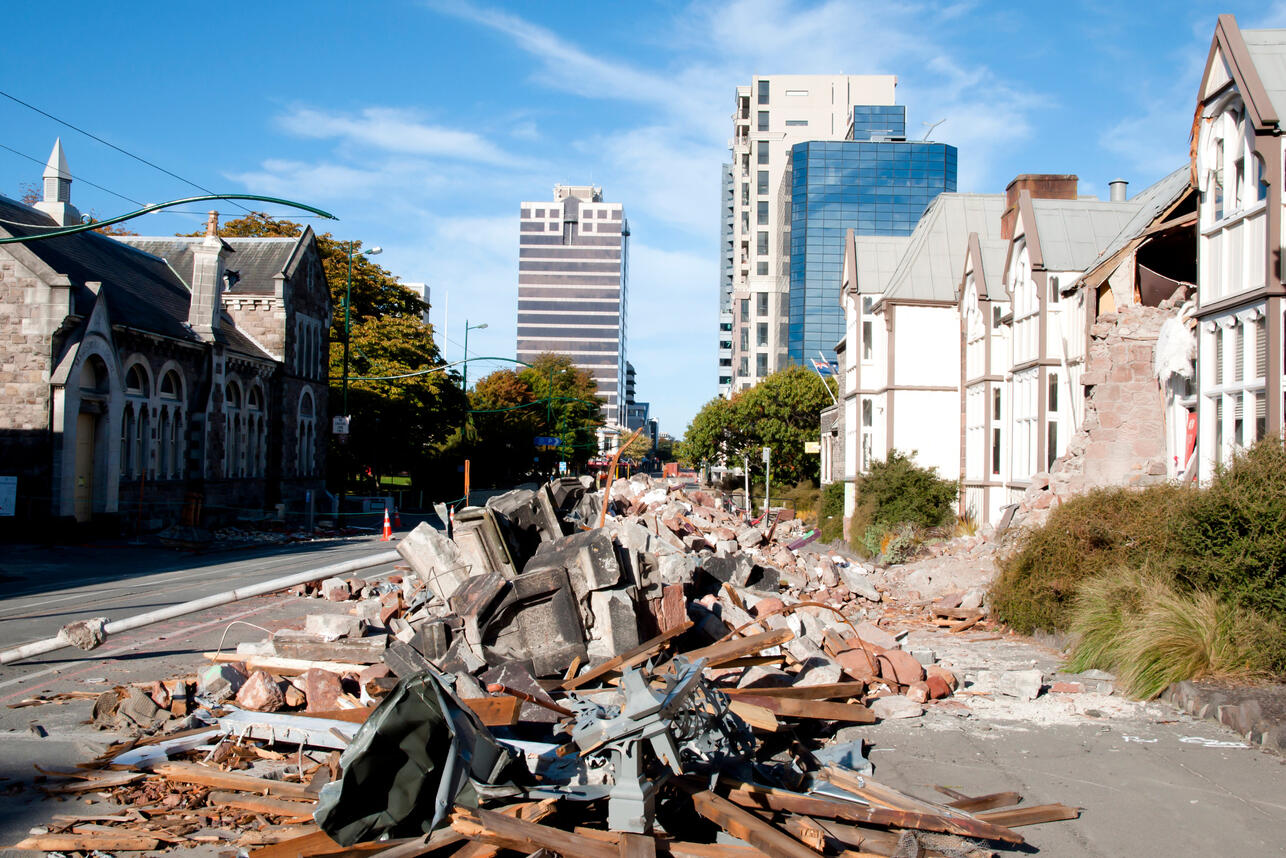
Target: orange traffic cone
[
  {"x": 387, "y": 536},
  {"x": 397, "y": 519}
]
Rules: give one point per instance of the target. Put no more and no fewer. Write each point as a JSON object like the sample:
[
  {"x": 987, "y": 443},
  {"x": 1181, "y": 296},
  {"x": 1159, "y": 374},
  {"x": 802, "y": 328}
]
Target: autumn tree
[
  {"x": 639, "y": 448},
  {"x": 573, "y": 410},
  {"x": 505, "y": 417}
]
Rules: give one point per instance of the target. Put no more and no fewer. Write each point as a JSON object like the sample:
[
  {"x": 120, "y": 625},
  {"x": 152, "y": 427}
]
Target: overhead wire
[{"x": 111, "y": 145}]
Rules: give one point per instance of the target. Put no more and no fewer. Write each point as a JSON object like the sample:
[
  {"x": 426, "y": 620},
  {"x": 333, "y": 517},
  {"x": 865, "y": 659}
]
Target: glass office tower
[{"x": 875, "y": 183}]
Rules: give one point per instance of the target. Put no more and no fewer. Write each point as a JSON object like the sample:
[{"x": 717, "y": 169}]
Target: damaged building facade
[{"x": 149, "y": 376}]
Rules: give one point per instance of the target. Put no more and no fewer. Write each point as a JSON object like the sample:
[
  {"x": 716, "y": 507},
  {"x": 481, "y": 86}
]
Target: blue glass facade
[{"x": 873, "y": 188}]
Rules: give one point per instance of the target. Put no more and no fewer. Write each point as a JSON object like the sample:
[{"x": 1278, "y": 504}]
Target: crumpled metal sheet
[{"x": 419, "y": 752}]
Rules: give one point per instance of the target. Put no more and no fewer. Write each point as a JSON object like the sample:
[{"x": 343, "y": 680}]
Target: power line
[
  {"x": 74, "y": 178},
  {"x": 92, "y": 136}
]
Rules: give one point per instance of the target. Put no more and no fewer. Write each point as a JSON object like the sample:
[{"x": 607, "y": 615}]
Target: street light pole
[{"x": 467, "y": 329}]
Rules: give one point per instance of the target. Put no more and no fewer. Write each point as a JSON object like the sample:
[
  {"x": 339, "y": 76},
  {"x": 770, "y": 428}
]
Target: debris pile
[{"x": 636, "y": 671}]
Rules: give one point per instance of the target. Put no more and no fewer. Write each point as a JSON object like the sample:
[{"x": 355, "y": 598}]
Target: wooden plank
[
  {"x": 351, "y": 716},
  {"x": 89, "y": 842},
  {"x": 748, "y": 795},
  {"x": 628, "y": 658},
  {"x": 194, "y": 773},
  {"x": 529, "y": 811},
  {"x": 753, "y": 714},
  {"x": 526, "y": 837},
  {"x": 111, "y": 779},
  {"x": 973, "y": 804},
  {"x": 637, "y": 846},
  {"x": 262, "y": 803},
  {"x": 495, "y": 711},
  {"x": 803, "y": 692},
  {"x": 315, "y": 843},
  {"x": 683, "y": 849},
  {"x": 1031, "y": 815},
  {"x": 366, "y": 650},
  {"x": 284, "y": 666},
  {"x": 881, "y": 794},
  {"x": 721, "y": 652},
  {"x": 789, "y": 707},
  {"x": 746, "y": 826}
]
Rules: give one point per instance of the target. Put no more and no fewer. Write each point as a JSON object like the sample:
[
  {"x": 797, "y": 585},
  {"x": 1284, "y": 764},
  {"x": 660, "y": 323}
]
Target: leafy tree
[
  {"x": 665, "y": 445},
  {"x": 639, "y": 447},
  {"x": 781, "y": 412},
  {"x": 573, "y": 409},
  {"x": 502, "y": 426}
]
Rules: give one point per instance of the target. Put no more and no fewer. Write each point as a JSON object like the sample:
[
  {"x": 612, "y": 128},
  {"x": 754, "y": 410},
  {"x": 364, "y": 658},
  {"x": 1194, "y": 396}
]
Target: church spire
[{"x": 56, "y": 201}]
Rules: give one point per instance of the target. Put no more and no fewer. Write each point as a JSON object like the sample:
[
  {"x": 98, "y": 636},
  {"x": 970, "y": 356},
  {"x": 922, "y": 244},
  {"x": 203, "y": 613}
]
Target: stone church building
[{"x": 161, "y": 378}]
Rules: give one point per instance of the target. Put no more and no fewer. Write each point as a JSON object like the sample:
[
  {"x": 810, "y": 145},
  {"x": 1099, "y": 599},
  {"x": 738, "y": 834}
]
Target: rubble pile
[{"x": 640, "y": 671}]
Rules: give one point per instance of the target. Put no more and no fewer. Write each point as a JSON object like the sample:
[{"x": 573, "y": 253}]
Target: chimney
[
  {"x": 56, "y": 200},
  {"x": 1041, "y": 186},
  {"x": 207, "y": 280},
  {"x": 1118, "y": 190}
]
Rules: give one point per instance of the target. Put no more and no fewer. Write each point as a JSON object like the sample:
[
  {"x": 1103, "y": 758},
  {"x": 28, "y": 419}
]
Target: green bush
[
  {"x": 1085, "y": 537},
  {"x": 830, "y": 512},
  {"x": 897, "y": 491},
  {"x": 1232, "y": 536}
]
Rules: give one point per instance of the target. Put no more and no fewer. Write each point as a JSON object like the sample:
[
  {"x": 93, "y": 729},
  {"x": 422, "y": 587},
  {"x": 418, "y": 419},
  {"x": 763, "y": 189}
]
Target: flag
[{"x": 825, "y": 367}]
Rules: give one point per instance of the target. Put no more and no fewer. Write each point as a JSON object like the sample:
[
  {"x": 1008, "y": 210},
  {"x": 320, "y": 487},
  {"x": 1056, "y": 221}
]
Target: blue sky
[{"x": 423, "y": 124}]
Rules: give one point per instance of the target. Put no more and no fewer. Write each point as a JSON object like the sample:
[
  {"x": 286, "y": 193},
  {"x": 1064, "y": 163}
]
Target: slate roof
[
  {"x": 1151, "y": 202},
  {"x": 877, "y": 258},
  {"x": 257, "y": 260},
  {"x": 1072, "y": 233},
  {"x": 1267, "y": 49},
  {"x": 141, "y": 289},
  {"x": 930, "y": 267}
]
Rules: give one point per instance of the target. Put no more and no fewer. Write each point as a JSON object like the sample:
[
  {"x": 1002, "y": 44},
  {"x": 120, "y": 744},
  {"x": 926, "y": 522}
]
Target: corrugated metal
[
  {"x": 1267, "y": 50},
  {"x": 877, "y": 258},
  {"x": 1073, "y": 233},
  {"x": 931, "y": 266},
  {"x": 1152, "y": 201}
]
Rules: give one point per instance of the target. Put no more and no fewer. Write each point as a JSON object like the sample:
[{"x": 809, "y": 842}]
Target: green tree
[
  {"x": 638, "y": 448},
  {"x": 713, "y": 435},
  {"x": 573, "y": 409},
  {"x": 502, "y": 427}
]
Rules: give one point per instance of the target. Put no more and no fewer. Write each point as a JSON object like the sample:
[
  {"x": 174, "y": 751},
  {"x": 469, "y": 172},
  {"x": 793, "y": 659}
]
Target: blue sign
[{"x": 543, "y": 441}]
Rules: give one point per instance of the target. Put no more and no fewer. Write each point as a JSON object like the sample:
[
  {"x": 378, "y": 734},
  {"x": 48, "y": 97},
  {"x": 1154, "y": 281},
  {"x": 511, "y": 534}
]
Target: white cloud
[
  {"x": 392, "y": 130},
  {"x": 327, "y": 181}
]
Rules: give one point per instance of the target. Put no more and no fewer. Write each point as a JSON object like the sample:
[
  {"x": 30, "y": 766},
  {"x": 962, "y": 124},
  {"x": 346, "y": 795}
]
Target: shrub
[
  {"x": 830, "y": 512},
  {"x": 1150, "y": 633},
  {"x": 1232, "y": 535},
  {"x": 1084, "y": 538},
  {"x": 897, "y": 491}
]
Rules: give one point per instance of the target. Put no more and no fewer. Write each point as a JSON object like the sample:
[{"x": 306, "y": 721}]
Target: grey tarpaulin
[{"x": 419, "y": 752}]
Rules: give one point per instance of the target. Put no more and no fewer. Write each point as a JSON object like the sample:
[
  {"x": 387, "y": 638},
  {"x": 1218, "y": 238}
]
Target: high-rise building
[
  {"x": 573, "y": 257},
  {"x": 875, "y": 182},
  {"x": 771, "y": 115}
]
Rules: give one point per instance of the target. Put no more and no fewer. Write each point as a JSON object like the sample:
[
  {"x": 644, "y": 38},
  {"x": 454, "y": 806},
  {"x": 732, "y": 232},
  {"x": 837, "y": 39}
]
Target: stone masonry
[{"x": 1121, "y": 441}]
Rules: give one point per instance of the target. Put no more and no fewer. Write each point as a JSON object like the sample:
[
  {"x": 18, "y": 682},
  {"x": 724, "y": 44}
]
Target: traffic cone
[
  {"x": 387, "y": 536},
  {"x": 397, "y": 519}
]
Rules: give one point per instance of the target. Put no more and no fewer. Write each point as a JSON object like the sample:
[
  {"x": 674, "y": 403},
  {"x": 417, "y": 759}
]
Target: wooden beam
[
  {"x": 637, "y": 846},
  {"x": 830, "y": 691},
  {"x": 753, "y": 714},
  {"x": 531, "y": 811},
  {"x": 526, "y": 837},
  {"x": 1030, "y": 815},
  {"x": 824, "y": 710},
  {"x": 89, "y": 842},
  {"x": 316, "y": 843},
  {"x": 284, "y": 666},
  {"x": 886, "y": 796},
  {"x": 194, "y": 773},
  {"x": 973, "y": 804},
  {"x": 748, "y": 795},
  {"x": 724, "y": 651},
  {"x": 495, "y": 711},
  {"x": 629, "y": 658},
  {"x": 262, "y": 803},
  {"x": 744, "y": 825}
]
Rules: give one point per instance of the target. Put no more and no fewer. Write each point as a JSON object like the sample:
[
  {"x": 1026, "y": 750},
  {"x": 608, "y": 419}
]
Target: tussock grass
[{"x": 1140, "y": 626}]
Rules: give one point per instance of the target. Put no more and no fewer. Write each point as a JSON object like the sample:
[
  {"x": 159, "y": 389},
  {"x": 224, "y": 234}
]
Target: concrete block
[
  {"x": 221, "y": 681},
  {"x": 895, "y": 706},
  {"x": 435, "y": 559},
  {"x": 1023, "y": 684},
  {"x": 876, "y": 636},
  {"x": 859, "y": 582},
  {"x": 762, "y": 676},
  {"x": 926, "y": 657},
  {"x": 335, "y": 589},
  {"x": 750, "y": 537},
  {"x": 614, "y": 625},
  {"x": 332, "y": 627},
  {"x": 819, "y": 671}
]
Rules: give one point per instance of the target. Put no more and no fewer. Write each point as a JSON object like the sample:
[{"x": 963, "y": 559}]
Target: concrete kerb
[{"x": 1235, "y": 708}]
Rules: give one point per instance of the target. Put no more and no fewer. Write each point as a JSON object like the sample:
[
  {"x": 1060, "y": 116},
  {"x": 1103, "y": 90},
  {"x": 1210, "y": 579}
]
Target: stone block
[
  {"x": 750, "y": 537},
  {"x": 614, "y": 627},
  {"x": 937, "y": 687},
  {"x": 1023, "y": 684},
  {"x": 335, "y": 589},
  {"x": 435, "y": 559},
  {"x": 321, "y": 690},
  {"x": 856, "y": 664},
  {"x": 403, "y": 660},
  {"x": 899, "y": 667},
  {"x": 261, "y": 693},
  {"x": 221, "y": 681},
  {"x": 332, "y": 627},
  {"x": 763, "y": 676},
  {"x": 819, "y": 671},
  {"x": 858, "y": 582},
  {"x": 895, "y": 706},
  {"x": 540, "y": 623},
  {"x": 432, "y": 638},
  {"x": 918, "y": 692},
  {"x": 972, "y": 600},
  {"x": 876, "y": 636},
  {"x": 926, "y": 657}
]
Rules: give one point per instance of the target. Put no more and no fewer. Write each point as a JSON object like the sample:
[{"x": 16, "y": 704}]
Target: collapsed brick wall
[{"x": 1121, "y": 440}]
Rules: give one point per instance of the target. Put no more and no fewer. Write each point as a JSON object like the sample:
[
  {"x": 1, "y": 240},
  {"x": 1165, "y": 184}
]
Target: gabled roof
[
  {"x": 930, "y": 266},
  {"x": 1153, "y": 202},
  {"x": 257, "y": 260},
  {"x": 993, "y": 252},
  {"x": 1072, "y": 233},
  {"x": 877, "y": 258},
  {"x": 141, "y": 290}
]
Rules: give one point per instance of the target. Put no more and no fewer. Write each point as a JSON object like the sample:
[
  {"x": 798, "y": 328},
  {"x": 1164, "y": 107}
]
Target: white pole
[
  {"x": 115, "y": 627},
  {"x": 745, "y": 460},
  {"x": 767, "y": 478}
]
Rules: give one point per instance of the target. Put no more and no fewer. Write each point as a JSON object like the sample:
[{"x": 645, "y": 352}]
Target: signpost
[{"x": 767, "y": 478}]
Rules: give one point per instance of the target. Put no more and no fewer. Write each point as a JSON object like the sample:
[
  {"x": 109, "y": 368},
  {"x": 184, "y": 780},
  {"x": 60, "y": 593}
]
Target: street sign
[
  {"x": 547, "y": 441},
  {"x": 339, "y": 425},
  {"x": 767, "y": 453},
  {"x": 812, "y": 446}
]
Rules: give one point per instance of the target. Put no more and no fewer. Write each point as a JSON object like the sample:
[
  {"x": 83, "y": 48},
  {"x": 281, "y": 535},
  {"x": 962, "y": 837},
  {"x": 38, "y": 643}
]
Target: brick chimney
[
  {"x": 207, "y": 280},
  {"x": 1041, "y": 186}
]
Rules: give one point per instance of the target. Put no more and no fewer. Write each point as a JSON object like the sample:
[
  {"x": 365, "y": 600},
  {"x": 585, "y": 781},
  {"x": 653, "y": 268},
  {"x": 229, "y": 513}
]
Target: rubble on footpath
[{"x": 638, "y": 671}]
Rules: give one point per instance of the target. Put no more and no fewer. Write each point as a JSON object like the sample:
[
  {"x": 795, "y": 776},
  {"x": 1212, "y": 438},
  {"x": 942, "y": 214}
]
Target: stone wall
[{"x": 1121, "y": 441}]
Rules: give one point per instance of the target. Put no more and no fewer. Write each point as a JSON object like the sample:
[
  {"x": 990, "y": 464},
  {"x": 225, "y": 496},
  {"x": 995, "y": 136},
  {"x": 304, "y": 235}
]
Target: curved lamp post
[{"x": 467, "y": 329}]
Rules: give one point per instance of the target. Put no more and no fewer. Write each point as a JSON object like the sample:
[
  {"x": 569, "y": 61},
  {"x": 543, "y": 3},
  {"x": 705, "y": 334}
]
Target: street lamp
[
  {"x": 467, "y": 329},
  {"x": 348, "y": 301}
]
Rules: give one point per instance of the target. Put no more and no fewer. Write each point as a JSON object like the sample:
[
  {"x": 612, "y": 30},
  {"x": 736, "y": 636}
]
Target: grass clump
[
  {"x": 1142, "y": 627},
  {"x": 1083, "y": 538}
]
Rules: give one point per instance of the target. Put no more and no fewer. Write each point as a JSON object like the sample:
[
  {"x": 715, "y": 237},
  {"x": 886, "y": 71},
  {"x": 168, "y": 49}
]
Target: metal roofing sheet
[
  {"x": 1072, "y": 233},
  {"x": 1267, "y": 50},
  {"x": 1151, "y": 202},
  {"x": 930, "y": 267},
  {"x": 877, "y": 258}
]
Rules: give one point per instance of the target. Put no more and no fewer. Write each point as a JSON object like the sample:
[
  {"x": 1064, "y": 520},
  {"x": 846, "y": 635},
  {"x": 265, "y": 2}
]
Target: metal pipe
[{"x": 116, "y": 626}]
